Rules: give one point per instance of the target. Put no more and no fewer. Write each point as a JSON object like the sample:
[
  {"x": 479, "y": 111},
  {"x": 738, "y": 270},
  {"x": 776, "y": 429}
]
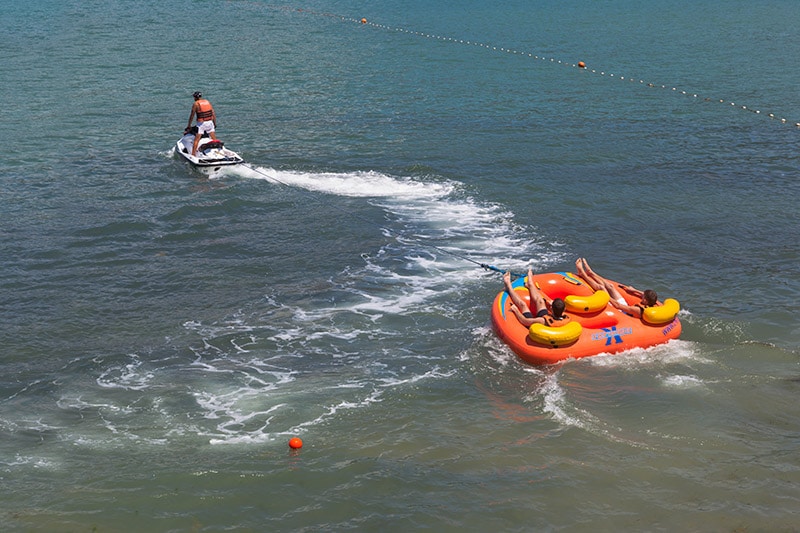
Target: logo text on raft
[
  {"x": 670, "y": 327},
  {"x": 612, "y": 333}
]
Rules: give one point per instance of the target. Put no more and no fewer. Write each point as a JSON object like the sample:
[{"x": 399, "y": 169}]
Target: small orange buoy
[
  {"x": 295, "y": 443},
  {"x": 363, "y": 21},
  {"x": 581, "y": 64}
]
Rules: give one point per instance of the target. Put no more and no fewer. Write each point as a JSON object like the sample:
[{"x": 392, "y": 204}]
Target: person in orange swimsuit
[{"x": 206, "y": 119}]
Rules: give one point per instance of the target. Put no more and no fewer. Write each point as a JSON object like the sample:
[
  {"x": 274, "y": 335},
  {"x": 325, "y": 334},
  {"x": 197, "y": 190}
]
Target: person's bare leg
[
  {"x": 516, "y": 299},
  {"x": 537, "y": 302},
  {"x": 595, "y": 282}
]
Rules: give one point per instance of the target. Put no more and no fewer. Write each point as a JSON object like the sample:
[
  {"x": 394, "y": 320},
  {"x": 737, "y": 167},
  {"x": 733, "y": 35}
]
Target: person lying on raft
[
  {"x": 649, "y": 298},
  {"x": 524, "y": 312}
]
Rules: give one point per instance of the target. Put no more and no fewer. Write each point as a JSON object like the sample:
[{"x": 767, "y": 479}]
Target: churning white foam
[
  {"x": 352, "y": 184},
  {"x": 293, "y": 366}
]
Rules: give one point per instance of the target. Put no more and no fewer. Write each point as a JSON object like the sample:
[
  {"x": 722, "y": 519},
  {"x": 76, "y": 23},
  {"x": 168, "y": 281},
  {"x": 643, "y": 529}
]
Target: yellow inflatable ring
[
  {"x": 662, "y": 313},
  {"x": 587, "y": 304},
  {"x": 558, "y": 336}
]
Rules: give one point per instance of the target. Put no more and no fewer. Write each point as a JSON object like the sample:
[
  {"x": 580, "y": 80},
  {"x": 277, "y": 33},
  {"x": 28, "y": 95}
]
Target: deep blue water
[{"x": 164, "y": 333}]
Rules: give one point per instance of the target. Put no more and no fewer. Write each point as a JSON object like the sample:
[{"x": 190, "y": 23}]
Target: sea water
[{"x": 164, "y": 334}]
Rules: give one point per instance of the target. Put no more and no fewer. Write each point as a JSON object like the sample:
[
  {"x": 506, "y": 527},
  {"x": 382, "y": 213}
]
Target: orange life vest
[{"x": 204, "y": 111}]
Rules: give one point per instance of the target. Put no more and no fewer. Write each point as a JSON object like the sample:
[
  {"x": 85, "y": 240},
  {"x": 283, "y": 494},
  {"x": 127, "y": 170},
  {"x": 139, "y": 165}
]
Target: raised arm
[{"x": 192, "y": 114}]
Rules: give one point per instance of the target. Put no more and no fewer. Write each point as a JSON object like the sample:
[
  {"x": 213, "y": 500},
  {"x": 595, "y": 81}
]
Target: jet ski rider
[{"x": 206, "y": 119}]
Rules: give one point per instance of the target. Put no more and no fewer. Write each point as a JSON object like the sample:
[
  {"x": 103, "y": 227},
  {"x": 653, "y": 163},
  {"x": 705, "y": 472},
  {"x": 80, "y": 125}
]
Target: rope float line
[{"x": 580, "y": 65}]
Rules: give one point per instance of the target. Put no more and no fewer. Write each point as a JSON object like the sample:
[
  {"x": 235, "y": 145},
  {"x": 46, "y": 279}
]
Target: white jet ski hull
[{"x": 210, "y": 157}]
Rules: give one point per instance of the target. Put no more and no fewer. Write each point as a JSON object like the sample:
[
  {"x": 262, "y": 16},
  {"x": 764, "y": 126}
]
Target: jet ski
[{"x": 211, "y": 153}]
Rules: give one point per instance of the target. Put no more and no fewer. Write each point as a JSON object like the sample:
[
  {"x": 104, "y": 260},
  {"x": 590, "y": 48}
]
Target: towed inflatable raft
[{"x": 596, "y": 326}]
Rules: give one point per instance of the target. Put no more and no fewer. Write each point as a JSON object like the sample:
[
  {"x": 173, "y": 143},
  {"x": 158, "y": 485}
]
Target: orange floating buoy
[
  {"x": 295, "y": 443},
  {"x": 363, "y": 21},
  {"x": 581, "y": 64}
]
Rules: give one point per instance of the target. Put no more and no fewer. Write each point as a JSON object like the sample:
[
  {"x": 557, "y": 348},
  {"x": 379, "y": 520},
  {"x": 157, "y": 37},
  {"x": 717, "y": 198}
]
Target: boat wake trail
[
  {"x": 433, "y": 212},
  {"x": 300, "y": 359}
]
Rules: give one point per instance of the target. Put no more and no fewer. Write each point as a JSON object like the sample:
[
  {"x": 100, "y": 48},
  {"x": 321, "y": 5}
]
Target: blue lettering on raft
[
  {"x": 612, "y": 333},
  {"x": 669, "y": 328}
]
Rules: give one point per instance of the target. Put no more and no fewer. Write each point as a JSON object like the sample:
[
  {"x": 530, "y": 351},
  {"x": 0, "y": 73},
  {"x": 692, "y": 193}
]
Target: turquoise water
[{"x": 164, "y": 334}]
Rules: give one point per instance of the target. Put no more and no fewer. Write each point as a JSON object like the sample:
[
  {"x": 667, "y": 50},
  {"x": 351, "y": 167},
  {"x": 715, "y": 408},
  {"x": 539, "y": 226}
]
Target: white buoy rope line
[{"x": 579, "y": 65}]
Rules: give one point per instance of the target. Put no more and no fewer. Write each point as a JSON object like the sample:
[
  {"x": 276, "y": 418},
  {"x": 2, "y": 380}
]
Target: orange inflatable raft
[{"x": 596, "y": 326}]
